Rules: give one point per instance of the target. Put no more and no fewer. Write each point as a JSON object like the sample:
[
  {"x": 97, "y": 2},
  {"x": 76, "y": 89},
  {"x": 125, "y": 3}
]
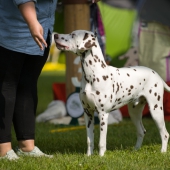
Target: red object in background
[
  {"x": 166, "y": 102},
  {"x": 59, "y": 92}
]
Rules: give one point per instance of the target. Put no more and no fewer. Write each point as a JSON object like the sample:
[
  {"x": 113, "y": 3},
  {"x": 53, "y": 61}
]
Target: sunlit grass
[{"x": 69, "y": 149}]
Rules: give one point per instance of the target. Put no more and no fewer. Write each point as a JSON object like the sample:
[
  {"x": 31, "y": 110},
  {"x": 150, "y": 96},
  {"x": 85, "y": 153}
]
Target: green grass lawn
[
  {"x": 69, "y": 147},
  {"x": 69, "y": 150}
]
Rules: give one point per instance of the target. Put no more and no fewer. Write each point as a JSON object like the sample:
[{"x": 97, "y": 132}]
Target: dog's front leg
[
  {"x": 103, "y": 117},
  {"x": 89, "y": 120}
]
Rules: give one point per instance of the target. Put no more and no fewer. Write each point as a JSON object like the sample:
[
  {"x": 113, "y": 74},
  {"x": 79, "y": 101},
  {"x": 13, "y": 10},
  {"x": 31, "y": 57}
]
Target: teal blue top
[{"x": 14, "y": 32}]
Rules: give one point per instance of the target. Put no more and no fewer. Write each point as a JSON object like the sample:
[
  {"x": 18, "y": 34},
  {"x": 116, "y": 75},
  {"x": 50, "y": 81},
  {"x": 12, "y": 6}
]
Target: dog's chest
[{"x": 87, "y": 99}]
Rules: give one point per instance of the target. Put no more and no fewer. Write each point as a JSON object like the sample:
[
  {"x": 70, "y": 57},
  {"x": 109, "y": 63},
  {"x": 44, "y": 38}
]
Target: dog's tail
[{"x": 166, "y": 87}]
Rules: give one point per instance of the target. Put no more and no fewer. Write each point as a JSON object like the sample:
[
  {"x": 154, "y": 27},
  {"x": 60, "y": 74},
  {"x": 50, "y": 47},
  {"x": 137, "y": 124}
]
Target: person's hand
[
  {"x": 29, "y": 13},
  {"x": 94, "y": 1},
  {"x": 37, "y": 33}
]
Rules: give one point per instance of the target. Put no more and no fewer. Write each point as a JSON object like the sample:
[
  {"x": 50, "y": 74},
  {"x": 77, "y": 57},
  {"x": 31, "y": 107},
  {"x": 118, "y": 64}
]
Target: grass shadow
[{"x": 119, "y": 137}]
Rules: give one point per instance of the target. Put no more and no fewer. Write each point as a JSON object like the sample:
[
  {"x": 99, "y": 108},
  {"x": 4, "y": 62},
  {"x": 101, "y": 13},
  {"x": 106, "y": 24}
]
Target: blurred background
[{"x": 118, "y": 30}]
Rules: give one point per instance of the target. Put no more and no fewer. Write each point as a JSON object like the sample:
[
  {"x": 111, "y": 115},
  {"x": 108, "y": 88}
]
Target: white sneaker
[
  {"x": 10, "y": 155},
  {"x": 35, "y": 153}
]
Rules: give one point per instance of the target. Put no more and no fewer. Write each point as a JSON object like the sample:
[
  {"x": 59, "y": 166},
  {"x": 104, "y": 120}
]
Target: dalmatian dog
[{"x": 105, "y": 88}]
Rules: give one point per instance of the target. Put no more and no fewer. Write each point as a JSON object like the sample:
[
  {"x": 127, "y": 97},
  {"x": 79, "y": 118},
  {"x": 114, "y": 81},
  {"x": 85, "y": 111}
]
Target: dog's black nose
[{"x": 55, "y": 36}]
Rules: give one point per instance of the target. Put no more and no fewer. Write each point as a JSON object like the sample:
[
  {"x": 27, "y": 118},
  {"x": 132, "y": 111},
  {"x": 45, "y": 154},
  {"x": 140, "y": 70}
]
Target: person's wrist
[{"x": 32, "y": 23}]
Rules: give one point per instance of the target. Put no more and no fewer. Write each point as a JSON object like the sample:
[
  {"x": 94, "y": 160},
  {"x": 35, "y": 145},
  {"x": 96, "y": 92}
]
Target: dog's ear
[{"x": 88, "y": 42}]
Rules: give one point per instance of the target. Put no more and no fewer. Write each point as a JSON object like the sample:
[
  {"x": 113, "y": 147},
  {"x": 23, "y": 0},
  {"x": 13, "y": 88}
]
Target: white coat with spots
[{"x": 105, "y": 88}]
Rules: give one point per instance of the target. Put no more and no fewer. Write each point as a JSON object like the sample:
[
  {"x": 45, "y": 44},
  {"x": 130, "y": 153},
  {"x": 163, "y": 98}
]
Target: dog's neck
[{"x": 93, "y": 62}]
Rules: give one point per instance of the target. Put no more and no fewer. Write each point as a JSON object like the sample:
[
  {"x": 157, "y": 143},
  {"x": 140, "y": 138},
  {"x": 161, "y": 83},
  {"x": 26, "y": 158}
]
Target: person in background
[
  {"x": 152, "y": 41},
  {"x": 154, "y": 36},
  {"x": 96, "y": 26}
]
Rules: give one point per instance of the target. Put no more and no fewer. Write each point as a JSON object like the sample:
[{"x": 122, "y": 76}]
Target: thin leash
[{"x": 94, "y": 18}]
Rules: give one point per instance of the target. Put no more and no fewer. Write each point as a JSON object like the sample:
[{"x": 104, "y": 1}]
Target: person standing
[
  {"x": 25, "y": 31},
  {"x": 154, "y": 36}
]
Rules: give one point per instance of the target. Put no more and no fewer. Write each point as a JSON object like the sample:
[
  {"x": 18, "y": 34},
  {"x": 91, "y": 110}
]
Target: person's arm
[{"x": 29, "y": 14}]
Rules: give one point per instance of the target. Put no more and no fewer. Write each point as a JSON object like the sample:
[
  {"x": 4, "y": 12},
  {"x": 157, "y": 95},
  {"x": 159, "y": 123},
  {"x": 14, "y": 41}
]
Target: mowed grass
[
  {"x": 69, "y": 150},
  {"x": 69, "y": 147}
]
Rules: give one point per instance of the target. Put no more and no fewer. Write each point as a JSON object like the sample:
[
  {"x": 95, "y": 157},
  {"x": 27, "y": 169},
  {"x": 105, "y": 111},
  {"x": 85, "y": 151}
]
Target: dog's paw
[
  {"x": 89, "y": 152},
  {"x": 101, "y": 152}
]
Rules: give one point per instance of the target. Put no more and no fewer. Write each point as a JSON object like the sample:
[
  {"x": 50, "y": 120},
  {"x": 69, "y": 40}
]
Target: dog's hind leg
[
  {"x": 103, "y": 117},
  {"x": 135, "y": 113},
  {"x": 89, "y": 120},
  {"x": 158, "y": 116}
]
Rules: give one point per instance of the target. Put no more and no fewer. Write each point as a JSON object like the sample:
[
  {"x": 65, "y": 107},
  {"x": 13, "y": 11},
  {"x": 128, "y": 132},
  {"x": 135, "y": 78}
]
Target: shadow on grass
[{"x": 119, "y": 137}]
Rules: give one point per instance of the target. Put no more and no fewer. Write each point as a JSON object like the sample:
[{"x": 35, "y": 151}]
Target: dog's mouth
[{"x": 61, "y": 47}]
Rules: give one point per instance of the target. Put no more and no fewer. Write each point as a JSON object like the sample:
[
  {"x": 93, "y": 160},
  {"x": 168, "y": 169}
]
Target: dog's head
[{"x": 76, "y": 42}]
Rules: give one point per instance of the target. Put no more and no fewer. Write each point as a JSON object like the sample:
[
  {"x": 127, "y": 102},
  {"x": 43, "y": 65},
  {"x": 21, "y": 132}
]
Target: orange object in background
[{"x": 59, "y": 91}]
